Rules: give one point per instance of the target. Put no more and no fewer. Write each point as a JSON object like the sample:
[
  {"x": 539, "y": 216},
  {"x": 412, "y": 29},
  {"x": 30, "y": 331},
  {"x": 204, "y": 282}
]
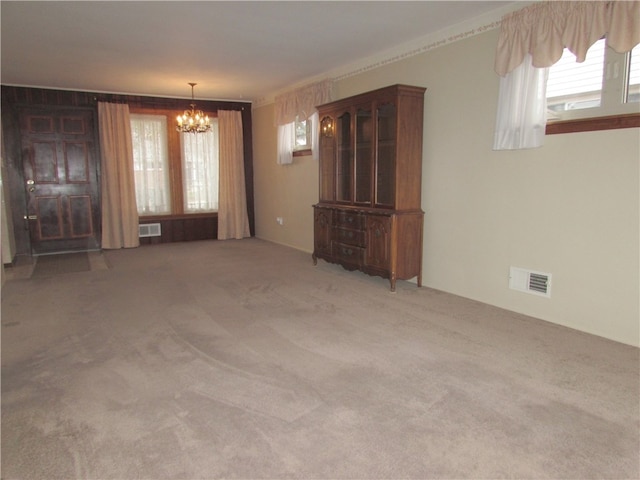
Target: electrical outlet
[{"x": 279, "y": 220}]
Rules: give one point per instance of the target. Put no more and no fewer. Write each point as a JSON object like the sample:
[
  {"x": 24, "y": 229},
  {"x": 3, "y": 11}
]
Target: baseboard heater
[{"x": 149, "y": 230}]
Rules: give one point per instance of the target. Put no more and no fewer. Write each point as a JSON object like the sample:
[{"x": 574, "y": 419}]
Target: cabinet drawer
[
  {"x": 349, "y": 236},
  {"x": 350, "y": 219},
  {"x": 348, "y": 253}
]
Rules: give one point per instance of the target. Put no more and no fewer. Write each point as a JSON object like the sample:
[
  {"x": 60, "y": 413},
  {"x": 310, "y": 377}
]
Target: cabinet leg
[
  {"x": 315, "y": 260},
  {"x": 420, "y": 279},
  {"x": 392, "y": 280}
]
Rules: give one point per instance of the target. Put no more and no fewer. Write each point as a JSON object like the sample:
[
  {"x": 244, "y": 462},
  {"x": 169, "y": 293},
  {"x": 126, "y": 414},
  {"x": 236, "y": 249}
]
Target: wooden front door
[{"x": 61, "y": 179}]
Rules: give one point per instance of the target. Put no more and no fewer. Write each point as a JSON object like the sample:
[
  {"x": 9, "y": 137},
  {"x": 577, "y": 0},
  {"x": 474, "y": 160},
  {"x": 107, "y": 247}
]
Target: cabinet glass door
[
  {"x": 327, "y": 159},
  {"x": 386, "y": 159},
  {"x": 344, "y": 159},
  {"x": 364, "y": 150}
]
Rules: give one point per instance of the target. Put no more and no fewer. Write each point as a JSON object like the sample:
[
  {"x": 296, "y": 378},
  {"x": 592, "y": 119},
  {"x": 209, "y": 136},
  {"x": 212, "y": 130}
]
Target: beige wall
[
  {"x": 570, "y": 208},
  {"x": 286, "y": 191}
]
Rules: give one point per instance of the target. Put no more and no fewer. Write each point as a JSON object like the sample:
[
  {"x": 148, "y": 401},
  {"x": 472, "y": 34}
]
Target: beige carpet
[{"x": 239, "y": 359}]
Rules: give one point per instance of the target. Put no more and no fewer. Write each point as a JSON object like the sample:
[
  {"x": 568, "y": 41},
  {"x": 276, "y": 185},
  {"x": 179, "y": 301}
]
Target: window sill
[
  {"x": 612, "y": 122},
  {"x": 302, "y": 153},
  {"x": 181, "y": 216}
]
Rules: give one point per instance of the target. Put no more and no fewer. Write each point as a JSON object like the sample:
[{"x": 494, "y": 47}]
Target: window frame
[
  {"x": 174, "y": 149},
  {"x": 302, "y": 150},
  {"x": 161, "y": 119},
  {"x": 307, "y": 127}
]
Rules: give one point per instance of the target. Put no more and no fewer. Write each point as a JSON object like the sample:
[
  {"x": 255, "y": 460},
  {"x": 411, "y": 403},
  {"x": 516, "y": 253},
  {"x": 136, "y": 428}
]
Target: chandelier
[{"x": 193, "y": 121}]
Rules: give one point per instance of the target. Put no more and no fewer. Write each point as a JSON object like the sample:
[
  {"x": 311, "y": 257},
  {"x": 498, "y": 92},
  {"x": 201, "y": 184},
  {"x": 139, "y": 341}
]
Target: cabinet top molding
[{"x": 396, "y": 90}]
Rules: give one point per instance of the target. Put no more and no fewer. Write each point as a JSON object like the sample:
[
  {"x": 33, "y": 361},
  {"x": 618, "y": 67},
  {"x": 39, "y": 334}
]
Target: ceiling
[{"x": 234, "y": 50}]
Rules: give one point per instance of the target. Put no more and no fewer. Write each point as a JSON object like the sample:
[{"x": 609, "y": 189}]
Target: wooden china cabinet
[{"x": 369, "y": 216}]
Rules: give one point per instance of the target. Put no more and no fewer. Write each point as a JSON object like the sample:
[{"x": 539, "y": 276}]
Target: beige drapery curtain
[
  {"x": 301, "y": 102},
  {"x": 118, "y": 196},
  {"x": 233, "y": 221},
  {"x": 544, "y": 29}
]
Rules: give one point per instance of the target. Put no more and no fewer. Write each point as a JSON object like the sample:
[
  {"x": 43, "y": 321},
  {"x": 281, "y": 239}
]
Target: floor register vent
[
  {"x": 529, "y": 281},
  {"x": 149, "y": 230}
]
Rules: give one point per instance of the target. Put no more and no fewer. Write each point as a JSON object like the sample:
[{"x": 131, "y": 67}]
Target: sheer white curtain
[
  {"x": 200, "y": 165},
  {"x": 151, "y": 163},
  {"x": 285, "y": 143},
  {"x": 532, "y": 39},
  {"x": 315, "y": 130},
  {"x": 521, "y": 115}
]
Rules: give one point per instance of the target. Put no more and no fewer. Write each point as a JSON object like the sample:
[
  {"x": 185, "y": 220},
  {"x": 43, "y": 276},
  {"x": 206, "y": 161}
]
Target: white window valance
[
  {"x": 301, "y": 102},
  {"x": 544, "y": 29}
]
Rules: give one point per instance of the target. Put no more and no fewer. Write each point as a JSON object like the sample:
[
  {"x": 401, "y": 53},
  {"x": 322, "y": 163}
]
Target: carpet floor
[{"x": 240, "y": 359}]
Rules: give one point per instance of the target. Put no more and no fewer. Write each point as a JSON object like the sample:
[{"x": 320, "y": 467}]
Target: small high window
[
  {"x": 302, "y": 132},
  {"x": 606, "y": 83}
]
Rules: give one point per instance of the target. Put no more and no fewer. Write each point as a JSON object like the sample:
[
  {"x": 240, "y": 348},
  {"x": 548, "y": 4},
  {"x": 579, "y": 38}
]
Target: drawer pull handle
[
  {"x": 378, "y": 233},
  {"x": 347, "y": 251}
]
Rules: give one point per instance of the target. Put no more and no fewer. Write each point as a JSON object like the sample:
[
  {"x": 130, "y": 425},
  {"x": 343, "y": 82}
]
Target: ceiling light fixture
[{"x": 193, "y": 121}]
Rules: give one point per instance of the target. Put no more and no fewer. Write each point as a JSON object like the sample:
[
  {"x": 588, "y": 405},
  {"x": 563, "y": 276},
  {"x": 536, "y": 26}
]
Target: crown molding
[{"x": 460, "y": 31}]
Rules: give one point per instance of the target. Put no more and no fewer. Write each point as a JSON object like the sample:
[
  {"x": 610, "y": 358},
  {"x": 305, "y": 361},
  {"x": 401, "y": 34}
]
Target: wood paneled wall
[
  {"x": 183, "y": 229},
  {"x": 178, "y": 228}
]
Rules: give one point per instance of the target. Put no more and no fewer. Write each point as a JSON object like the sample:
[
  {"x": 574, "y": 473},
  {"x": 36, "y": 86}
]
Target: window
[
  {"x": 293, "y": 110},
  {"x": 175, "y": 173},
  {"x": 151, "y": 164},
  {"x": 200, "y": 170},
  {"x": 297, "y": 138},
  {"x": 302, "y": 134},
  {"x": 606, "y": 83}
]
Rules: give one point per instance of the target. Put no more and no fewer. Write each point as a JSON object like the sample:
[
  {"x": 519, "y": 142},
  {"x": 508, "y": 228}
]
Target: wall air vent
[
  {"x": 529, "y": 281},
  {"x": 149, "y": 230}
]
